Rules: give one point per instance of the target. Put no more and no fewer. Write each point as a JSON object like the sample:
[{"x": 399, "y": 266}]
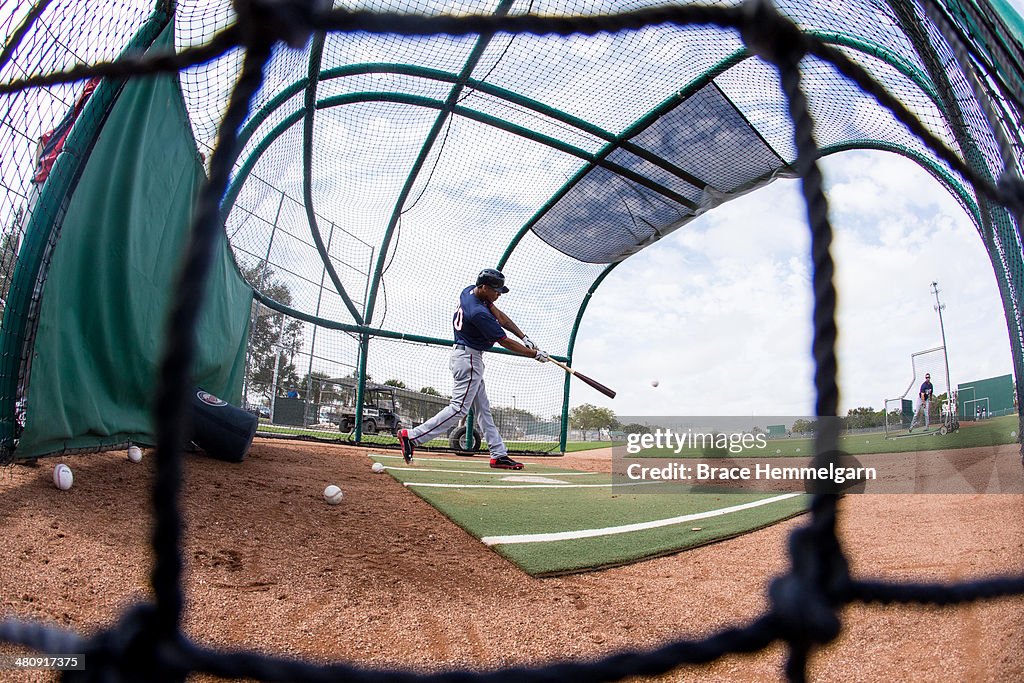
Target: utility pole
[{"x": 945, "y": 352}]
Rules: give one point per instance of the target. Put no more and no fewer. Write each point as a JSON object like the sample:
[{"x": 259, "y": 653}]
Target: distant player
[
  {"x": 924, "y": 397},
  {"x": 477, "y": 325}
]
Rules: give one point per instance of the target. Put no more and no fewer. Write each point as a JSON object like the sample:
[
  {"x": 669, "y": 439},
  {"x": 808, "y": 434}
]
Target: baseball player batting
[{"x": 476, "y": 325}]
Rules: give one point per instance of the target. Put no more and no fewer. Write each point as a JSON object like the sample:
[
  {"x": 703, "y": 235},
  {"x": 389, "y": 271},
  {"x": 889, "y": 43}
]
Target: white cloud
[{"x": 865, "y": 186}]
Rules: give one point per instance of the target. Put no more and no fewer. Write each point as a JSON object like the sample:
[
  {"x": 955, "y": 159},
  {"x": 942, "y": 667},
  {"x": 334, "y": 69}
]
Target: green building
[{"x": 985, "y": 397}]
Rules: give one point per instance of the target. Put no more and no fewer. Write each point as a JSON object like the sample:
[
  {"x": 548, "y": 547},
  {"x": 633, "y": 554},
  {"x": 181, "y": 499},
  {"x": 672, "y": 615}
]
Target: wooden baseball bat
[{"x": 580, "y": 376}]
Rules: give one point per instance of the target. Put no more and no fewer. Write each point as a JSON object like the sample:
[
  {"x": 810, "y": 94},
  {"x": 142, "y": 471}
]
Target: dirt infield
[{"x": 385, "y": 580}]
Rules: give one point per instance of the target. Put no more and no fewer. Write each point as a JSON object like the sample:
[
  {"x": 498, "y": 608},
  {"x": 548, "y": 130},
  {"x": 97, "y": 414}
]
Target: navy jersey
[
  {"x": 474, "y": 324},
  {"x": 926, "y": 389}
]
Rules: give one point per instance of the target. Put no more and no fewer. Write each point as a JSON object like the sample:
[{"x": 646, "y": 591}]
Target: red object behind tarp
[{"x": 51, "y": 143}]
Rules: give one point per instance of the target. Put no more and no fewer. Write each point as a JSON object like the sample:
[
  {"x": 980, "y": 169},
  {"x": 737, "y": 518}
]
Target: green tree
[
  {"x": 804, "y": 427},
  {"x": 397, "y": 383},
  {"x": 318, "y": 389},
  {"x": 430, "y": 391},
  {"x": 896, "y": 417},
  {"x": 636, "y": 428},
  {"x": 354, "y": 376},
  {"x": 514, "y": 420},
  {"x": 587, "y": 416},
  {"x": 860, "y": 418},
  {"x": 273, "y": 339}
]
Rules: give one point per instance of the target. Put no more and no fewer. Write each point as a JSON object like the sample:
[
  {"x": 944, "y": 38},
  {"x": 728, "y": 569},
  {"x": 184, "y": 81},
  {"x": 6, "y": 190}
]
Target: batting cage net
[
  {"x": 376, "y": 172},
  {"x": 253, "y": 195}
]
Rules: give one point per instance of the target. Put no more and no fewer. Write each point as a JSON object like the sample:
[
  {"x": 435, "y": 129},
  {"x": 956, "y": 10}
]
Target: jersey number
[{"x": 457, "y": 321}]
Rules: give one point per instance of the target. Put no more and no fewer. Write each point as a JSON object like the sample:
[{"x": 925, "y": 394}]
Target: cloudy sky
[{"x": 719, "y": 312}]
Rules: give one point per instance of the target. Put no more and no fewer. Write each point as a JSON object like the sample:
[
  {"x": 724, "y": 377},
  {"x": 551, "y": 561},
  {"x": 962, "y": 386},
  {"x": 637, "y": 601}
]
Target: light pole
[{"x": 945, "y": 352}]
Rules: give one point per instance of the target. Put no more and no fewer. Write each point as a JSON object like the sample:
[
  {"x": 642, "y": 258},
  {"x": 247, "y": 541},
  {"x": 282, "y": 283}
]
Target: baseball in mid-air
[
  {"x": 654, "y": 382},
  {"x": 378, "y": 467},
  {"x": 62, "y": 477},
  {"x": 333, "y": 495},
  {"x": 135, "y": 454}
]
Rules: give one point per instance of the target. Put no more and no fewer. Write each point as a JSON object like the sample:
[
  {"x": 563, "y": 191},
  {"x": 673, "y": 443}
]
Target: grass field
[
  {"x": 553, "y": 520},
  {"x": 995, "y": 431}
]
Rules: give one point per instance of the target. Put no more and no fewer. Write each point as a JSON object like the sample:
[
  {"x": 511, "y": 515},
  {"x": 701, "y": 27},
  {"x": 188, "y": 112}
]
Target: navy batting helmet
[{"x": 492, "y": 278}]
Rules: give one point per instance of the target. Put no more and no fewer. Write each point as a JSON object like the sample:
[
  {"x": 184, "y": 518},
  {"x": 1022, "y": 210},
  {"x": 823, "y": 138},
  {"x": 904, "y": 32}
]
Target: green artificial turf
[{"x": 545, "y": 498}]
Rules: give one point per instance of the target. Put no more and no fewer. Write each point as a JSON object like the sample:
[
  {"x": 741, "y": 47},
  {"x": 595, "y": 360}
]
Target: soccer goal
[
  {"x": 905, "y": 412},
  {"x": 977, "y": 408}
]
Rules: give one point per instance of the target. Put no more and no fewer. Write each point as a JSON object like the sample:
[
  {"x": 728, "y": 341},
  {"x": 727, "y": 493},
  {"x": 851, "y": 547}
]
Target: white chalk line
[{"x": 627, "y": 528}]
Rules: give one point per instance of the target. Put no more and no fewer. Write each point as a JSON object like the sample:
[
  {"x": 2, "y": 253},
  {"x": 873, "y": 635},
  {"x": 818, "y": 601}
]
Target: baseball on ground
[
  {"x": 333, "y": 495},
  {"x": 62, "y": 477},
  {"x": 135, "y": 454},
  {"x": 377, "y": 467}
]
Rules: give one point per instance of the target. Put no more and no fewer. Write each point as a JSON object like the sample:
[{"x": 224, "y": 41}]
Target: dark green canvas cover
[{"x": 101, "y": 324}]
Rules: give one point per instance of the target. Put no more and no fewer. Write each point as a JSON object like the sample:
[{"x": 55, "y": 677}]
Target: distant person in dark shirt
[{"x": 924, "y": 396}]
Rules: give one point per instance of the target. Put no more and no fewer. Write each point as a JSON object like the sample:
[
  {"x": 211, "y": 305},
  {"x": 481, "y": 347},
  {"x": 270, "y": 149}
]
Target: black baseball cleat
[
  {"x": 505, "y": 463},
  {"x": 406, "y": 443}
]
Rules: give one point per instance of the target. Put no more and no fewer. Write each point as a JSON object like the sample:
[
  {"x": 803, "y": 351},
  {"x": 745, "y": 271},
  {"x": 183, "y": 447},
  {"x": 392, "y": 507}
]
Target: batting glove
[
  {"x": 542, "y": 356},
  {"x": 528, "y": 343}
]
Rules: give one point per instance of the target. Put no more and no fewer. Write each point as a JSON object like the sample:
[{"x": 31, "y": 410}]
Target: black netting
[{"x": 416, "y": 152}]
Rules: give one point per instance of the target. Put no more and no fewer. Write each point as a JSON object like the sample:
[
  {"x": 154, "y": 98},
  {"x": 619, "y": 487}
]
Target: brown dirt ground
[{"x": 384, "y": 580}]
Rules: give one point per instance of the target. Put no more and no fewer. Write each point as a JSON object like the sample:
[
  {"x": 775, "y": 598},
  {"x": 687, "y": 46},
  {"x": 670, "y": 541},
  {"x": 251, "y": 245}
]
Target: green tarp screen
[{"x": 106, "y": 299}]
